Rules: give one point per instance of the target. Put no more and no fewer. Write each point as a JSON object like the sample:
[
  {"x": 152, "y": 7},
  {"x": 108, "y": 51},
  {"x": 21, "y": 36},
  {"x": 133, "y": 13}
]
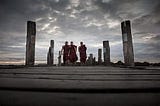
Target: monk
[
  {"x": 72, "y": 53},
  {"x": 65, "y": 51},
  {"x": 82, "y": 52}
]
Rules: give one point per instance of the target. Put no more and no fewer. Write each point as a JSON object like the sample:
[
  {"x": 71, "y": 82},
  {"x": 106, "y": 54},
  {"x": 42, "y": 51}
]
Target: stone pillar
[
  {"x": 127, "y": 43},
  {"x": 30, "y": 43},
  {"x": 59, "y": 59},
  {"x": 106, "y": 52},
  {"x": 99, "y": 56},
  {"x": 50, "y": 55}
]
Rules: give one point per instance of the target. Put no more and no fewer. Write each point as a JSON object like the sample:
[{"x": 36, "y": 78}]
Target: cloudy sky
[{"x": 90, "y": 21}]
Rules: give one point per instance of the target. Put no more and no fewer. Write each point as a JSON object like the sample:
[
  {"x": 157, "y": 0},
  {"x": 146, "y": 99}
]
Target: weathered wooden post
[
  {"x": 106, "y": 52},
  {"x": 59, "y": 59},
  {"x": 30, "y": 43},
  {"x": 99, "y": 56},
  {"x": 127, "y": 43},
  {"x": 50, "y": 55},
  {"x": 90, "y": 59}
]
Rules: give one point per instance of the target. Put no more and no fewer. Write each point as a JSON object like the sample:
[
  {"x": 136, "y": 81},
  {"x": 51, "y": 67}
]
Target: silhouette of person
[
  {"x": 65, "y": 51},
  {"x": 72, "y": 53},
  {"x": 82, "y": 52}
]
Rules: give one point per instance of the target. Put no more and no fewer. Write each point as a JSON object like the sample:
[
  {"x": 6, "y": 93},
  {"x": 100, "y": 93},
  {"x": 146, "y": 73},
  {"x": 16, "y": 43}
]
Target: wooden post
[
  {"x": 99, "y": 56},
  {"x": 127, "y": 43},
  {"x": 30, "y": 43},
  {"x": 59, "y": 59},
  {"x": 90, "y": 59},
  {"x": 50, "y": 55},
  {"x": 106, "y": 52}
]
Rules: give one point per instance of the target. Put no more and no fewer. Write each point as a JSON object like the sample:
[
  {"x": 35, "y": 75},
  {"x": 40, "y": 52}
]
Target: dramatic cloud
[{"x": 90, "y": 21}]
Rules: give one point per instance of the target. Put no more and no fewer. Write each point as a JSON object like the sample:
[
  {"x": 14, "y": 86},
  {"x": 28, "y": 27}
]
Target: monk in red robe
[
  {"x": 82, "y": 52},
  {"x": 72, "y": 53},
  {"x": 65, "y": 51}
]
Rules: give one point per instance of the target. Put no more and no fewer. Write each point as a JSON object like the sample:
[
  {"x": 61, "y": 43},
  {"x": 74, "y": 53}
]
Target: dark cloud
[{"x": 91, "y": 21}]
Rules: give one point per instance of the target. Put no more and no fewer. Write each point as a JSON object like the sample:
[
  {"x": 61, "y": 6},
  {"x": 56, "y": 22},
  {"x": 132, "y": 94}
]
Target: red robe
[
  {"x": 65, "y": 53},
  {"x": 82, "y": 51},
  {"x": 72, "y": 54}
]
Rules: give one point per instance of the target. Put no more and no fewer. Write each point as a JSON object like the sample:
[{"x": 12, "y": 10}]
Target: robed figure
[
  {"x": 82, "y": 52},
  {"x": 65, "y": 51},
  {"x": 72, "y": 53}
]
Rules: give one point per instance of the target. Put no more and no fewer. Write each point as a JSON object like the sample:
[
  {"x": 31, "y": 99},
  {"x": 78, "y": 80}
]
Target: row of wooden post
[{"x": 127, "y": 47}]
